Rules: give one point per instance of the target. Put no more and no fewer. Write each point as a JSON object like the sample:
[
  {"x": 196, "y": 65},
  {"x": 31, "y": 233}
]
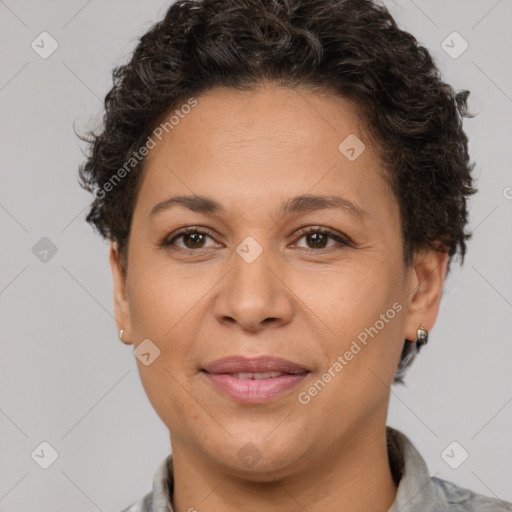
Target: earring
[
  {"x": 422, "y": 334},
  {"x": 120, "y": 334}
]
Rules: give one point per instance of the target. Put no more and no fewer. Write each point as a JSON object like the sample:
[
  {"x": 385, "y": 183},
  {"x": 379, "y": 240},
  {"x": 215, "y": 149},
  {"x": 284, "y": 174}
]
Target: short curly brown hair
[{"x": 352, "y": 48}]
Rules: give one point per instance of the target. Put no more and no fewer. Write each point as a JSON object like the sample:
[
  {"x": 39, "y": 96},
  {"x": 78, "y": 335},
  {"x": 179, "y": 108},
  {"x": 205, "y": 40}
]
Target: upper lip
[{"x": 262, "y": 364}]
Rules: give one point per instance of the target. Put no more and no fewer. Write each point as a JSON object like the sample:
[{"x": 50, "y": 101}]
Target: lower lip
[{"x": 254, "y": 391}]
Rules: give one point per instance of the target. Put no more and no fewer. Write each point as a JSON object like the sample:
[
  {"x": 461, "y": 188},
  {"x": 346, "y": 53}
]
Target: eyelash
[{"x": 168, "y": 243}]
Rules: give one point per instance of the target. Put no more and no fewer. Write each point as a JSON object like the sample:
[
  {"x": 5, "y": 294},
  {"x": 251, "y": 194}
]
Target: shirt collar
[{"x": 415, "y": 491}]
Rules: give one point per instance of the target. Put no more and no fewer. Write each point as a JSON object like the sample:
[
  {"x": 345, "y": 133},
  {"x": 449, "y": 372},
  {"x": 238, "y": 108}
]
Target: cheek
[
  {"x": 363, "y": 306},
  {"x": 352, "y": 298},
  {"x": 161, "y": 300},
  {"x": 168, "y": 397},
  {"x": 361, "y": 356}
]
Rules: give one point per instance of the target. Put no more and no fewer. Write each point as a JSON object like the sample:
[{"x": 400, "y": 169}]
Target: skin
[{"x": 251, "y": 151}]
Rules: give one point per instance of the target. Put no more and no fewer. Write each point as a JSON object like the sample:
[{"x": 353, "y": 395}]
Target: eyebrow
[{"x": 303, "y": 203}]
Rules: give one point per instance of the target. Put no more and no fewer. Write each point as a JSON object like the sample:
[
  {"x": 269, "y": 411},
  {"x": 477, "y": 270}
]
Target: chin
[
  {"x": 255, "y": 459},
  {"x": 267, "y": 469}
]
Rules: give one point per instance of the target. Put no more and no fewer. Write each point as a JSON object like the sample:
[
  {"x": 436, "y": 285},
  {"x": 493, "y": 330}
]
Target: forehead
[
  {"x": 279, "y": 116},
  {"x": 268, "y": 141}
]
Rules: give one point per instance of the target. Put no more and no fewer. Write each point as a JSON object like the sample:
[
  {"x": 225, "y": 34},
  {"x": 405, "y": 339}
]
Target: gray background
[{"x": 67, "y": 380}]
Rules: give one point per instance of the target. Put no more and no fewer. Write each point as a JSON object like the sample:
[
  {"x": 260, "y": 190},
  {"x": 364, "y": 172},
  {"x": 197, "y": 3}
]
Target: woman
[{"x": 284, "y": 186}]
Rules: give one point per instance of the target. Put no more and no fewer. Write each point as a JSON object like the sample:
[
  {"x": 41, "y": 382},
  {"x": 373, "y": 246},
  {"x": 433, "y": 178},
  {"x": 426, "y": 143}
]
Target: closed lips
[
  {"x": 257, "y": 375},
  {"x": 262, "y": 367},
  {"x": 254, "y": 380}
]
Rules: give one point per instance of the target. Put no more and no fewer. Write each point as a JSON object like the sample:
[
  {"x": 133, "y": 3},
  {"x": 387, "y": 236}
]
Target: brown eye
[
  {"x": 192, "y": 239},
  {"x": 317, "y": 238}
]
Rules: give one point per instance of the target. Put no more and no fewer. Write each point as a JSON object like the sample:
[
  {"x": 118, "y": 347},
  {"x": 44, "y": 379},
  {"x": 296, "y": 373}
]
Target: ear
[
  {"x": 121, "y": 305},
  {"x": 425, "y": 290}
]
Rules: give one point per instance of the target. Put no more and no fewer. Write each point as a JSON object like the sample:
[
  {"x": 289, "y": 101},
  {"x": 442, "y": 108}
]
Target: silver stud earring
[
  {"x": 120, "y": 334},
  {"x": 422, "y": 334}
]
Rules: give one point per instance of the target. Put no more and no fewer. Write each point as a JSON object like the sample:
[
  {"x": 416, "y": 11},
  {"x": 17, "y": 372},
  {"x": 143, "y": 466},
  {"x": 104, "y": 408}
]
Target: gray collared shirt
[{"x": 417, "y": 490}]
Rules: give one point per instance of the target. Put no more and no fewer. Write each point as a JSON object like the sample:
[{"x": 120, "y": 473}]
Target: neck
[{"x": 353, "y": 476}]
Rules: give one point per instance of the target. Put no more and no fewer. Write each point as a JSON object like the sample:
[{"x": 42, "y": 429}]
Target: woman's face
[{"x": 248, "y": 280}]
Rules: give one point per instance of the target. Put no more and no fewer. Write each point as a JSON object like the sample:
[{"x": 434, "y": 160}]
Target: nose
[{"x": 254, "y": 295}]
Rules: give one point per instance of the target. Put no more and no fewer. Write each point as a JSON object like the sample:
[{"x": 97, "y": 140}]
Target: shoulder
[
  {"x": 145, "y": 504},
  {"x": 158, "y": 499},
  {"x": 450, "y": 497},
  {"x": 419, "y": 492}
]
